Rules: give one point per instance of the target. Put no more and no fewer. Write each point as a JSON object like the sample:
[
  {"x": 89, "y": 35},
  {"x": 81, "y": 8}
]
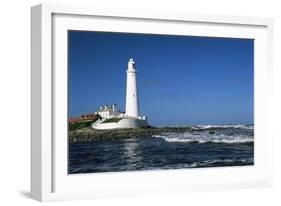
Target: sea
[{"x": 203, "y": 146}]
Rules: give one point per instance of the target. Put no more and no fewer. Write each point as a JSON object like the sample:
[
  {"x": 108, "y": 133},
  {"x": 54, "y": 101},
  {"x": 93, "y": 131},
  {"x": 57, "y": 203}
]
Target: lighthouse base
[{"x": 123, "y": 123}]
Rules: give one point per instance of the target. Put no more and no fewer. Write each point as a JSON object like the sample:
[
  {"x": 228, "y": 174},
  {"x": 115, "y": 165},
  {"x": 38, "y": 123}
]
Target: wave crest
[
  {"x": 225, "y": 126},
  {"x": 202, "y": 138}
]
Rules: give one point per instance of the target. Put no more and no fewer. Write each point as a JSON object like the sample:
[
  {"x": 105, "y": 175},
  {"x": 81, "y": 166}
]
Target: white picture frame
[{"x": 49, "y": 178}]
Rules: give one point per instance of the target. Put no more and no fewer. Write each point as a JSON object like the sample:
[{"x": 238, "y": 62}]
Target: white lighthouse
[
  {"x": 132, "y": 103},
  {"x": 111, "y": 118}
]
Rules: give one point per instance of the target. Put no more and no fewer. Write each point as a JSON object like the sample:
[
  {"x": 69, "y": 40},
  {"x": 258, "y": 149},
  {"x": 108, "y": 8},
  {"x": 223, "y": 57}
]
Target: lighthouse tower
[
  {"x": 132, "y": 103},
  {"x": 131, "y": 118}
]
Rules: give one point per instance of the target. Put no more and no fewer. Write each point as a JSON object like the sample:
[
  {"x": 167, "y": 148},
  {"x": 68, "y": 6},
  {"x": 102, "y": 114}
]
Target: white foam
[
  {"x": 224, "y": 126},
  {"x": 204, "y": 137}
]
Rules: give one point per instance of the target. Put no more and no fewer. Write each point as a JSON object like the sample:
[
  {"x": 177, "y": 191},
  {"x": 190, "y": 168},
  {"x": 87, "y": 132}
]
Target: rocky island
[
  {"x": 83, "y": 132},
  {"x": 88, "y": 134}
]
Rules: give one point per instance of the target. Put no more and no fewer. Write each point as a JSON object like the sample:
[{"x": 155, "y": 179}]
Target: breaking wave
[
  {"x": 226, "y": 126},
  {"x": 206, "y": 137}
]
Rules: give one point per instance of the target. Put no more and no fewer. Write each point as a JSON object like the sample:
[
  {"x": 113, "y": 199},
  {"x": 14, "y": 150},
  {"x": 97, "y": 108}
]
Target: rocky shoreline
[{"x": 89, "y": 134}]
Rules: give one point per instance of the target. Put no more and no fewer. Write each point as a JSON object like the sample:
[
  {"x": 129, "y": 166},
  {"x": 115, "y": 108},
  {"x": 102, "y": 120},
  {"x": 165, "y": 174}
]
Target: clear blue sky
[{"x": 181, "y": 80}]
